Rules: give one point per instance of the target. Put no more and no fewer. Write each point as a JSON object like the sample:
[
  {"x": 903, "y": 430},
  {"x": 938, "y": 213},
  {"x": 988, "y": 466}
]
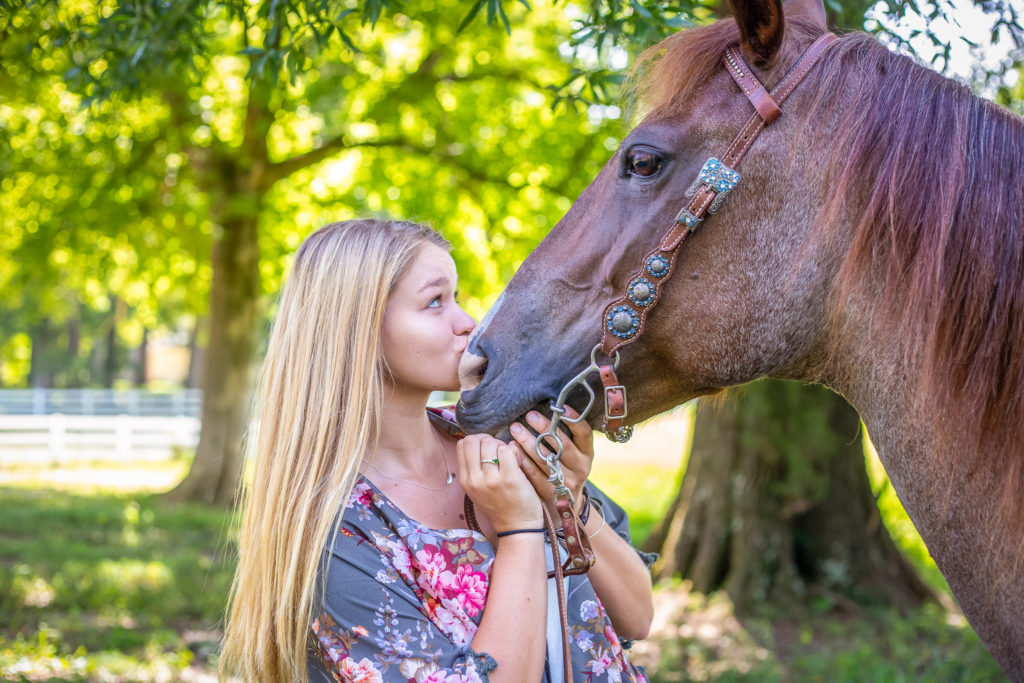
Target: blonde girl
[{"x": 355, "y": 560}]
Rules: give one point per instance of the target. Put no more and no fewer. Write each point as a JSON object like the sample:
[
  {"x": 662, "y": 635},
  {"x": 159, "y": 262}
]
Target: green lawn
[
  {"x": 107, "y": 586},
  {"x": 111, "y": 585}
]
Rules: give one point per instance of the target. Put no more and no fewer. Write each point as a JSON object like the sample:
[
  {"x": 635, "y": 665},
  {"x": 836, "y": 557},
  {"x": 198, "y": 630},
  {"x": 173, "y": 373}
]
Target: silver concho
[
  {"x": 657, "y": 266},
  {"x": 622, "y": 322},
  {"x": 641, "y": 292}
]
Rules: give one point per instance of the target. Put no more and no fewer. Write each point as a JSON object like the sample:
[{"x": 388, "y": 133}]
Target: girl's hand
[
  {"x": 577, "y": 454},
  {"x": 500, "y": 489}
]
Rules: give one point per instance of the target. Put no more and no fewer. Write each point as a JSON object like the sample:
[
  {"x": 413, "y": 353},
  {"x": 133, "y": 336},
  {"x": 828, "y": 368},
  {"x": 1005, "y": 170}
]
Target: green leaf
[{"x": 470, "y": 15}]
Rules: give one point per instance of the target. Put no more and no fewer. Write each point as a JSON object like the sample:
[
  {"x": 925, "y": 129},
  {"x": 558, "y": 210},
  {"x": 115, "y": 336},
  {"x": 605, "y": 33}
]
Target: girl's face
[{"x": 425, "y": 331}]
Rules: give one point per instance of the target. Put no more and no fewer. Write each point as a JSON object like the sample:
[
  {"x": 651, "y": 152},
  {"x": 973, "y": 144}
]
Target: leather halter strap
[{"x": 625, "y": 318}]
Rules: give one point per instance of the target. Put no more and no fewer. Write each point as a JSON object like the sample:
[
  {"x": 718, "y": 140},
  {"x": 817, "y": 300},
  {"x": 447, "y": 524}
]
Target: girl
[{"x": 355, "y": 560}]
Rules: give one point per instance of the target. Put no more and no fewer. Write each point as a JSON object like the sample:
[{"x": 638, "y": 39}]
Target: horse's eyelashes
[{"x": 643, "y": 163}]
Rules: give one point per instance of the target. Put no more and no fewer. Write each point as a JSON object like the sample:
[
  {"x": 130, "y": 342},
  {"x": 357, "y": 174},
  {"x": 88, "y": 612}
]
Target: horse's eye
[{"x": 643, "y": 163}]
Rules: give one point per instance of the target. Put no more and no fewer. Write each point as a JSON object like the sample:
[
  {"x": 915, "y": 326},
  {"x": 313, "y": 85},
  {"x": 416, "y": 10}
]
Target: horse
[{"x": 874, "y": 243}]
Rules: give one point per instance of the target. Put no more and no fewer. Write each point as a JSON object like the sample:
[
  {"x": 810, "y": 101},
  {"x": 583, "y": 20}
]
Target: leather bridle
[{"x": 625, "y": 318}]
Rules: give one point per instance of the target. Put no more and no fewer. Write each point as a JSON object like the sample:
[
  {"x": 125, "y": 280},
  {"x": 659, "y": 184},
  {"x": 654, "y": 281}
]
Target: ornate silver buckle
[{"x": 716, "y": 176}]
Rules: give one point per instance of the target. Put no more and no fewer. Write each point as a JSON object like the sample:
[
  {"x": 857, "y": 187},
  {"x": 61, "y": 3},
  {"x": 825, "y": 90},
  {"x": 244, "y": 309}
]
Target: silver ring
[{"x": 488, "y": 461}]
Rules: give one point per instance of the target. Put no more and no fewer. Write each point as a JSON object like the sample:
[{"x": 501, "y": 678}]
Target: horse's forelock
[{"x": 667, "y": 77}]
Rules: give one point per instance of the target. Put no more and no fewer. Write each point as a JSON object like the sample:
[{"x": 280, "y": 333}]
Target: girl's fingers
[
  {"x": 506, "y": 456},
  {"x": 526, "y": 440},
  {"x": 542, "y": 424},
  {"x": 582, "y": 433},
  {"x": 468, "y": 452},
  {"x": 490, "y": 469},
  {"x": 538, "y": 477}
]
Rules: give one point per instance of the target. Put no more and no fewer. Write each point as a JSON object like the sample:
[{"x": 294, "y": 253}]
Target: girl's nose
[{"x": 464, "y": 323}]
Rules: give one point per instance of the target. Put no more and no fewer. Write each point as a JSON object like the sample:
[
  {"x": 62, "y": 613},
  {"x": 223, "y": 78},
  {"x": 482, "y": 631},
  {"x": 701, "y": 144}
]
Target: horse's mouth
[{"x": 577, "y": 401}]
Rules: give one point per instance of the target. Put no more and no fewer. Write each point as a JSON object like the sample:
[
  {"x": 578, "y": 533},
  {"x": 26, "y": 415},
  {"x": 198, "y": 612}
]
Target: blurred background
[{"x": 159, "y": 163}]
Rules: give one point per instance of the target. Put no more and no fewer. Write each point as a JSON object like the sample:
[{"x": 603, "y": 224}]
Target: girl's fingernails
[
  {"x": 533, "y": 417},
  {"x": 516, "y": 428}
]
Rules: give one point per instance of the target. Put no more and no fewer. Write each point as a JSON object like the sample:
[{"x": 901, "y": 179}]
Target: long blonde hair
[{"x": 318, "y": 410}]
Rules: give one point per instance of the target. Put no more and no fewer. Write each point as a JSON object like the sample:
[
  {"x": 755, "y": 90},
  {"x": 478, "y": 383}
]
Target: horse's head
[{"x": 748, "y": 291}]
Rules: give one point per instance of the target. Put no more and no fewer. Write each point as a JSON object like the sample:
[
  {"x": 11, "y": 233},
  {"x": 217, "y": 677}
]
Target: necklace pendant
[{"x": 450, "y": 479}]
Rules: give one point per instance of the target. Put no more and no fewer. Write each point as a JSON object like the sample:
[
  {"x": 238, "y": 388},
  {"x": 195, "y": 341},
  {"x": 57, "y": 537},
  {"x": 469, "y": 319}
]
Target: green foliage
[
  {"x": 130, "y": 127},
  {"x": 107, "y": 583},
  {"x": 644, "y": 490},
  {"x": 120, "y": 182}
]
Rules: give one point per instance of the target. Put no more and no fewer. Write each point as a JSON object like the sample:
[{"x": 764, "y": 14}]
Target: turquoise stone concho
[
  {"x": 718, "y": 177},
  {"x": 641, "y": 292},
  {"x": 623, "y": 322},
  {"x": 657, "y": 266}
]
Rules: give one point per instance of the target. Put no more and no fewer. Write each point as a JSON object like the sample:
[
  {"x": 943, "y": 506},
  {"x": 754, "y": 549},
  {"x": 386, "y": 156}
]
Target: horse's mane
[{"x": 941, "y": 174}]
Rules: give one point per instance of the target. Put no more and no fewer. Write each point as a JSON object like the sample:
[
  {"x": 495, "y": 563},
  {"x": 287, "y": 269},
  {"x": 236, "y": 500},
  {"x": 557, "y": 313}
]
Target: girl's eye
[
  {"x": 435, "y": 302},
  {"x": 642, "y": 163}
]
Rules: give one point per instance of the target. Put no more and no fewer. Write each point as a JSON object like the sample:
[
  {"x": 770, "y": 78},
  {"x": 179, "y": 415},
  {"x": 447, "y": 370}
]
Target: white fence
[
  {"x": 58, "y": 439},
  {"x": 99, "y": 402},
  {"x": 46, "y": 426}
]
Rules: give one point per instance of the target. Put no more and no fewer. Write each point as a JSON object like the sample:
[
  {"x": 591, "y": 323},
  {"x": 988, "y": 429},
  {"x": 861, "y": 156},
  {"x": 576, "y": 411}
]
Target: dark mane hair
[{"x": 937, "y": 177}]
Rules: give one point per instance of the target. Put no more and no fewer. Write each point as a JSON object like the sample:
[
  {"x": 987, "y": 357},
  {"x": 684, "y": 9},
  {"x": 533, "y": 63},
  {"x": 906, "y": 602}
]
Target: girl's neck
[{"x": 406, "y": 433}]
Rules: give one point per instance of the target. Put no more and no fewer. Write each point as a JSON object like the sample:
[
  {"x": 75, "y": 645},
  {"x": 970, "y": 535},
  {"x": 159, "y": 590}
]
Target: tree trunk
[
  {"x": 111, "y": 360},
  {"x": 40, "y": 369},
  {"x": 239, "y": 184},
  {"x": 775, "y": 505},
  {"x": 73, "y": 368},
  {"x": 227, "y": 366},
  {"x": 195, "y": 358},
  {"x": 141, "y": 367}
]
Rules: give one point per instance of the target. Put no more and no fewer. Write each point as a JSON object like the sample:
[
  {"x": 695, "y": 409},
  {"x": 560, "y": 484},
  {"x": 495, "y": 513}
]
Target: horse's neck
[{"x": 952, "y": 507}]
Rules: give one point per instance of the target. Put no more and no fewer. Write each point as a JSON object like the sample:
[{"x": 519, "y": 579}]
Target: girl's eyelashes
[{"x": 435, "y": 302}]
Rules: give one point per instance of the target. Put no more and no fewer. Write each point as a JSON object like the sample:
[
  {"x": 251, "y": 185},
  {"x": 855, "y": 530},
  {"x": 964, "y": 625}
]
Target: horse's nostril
[{"x": 471, "y": 370}]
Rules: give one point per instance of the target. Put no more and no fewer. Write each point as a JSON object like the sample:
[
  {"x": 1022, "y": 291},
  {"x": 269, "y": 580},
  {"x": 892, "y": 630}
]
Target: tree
[
  {"x": 775, "y": 504},
  {"x": 210, "y": 124},
  {"x": 269, "y": 118}
]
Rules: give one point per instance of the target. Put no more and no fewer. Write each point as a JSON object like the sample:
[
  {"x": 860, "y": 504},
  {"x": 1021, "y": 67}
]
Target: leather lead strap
[
  {"x": 563, "y": 611},
  {"x": 577, "y": 543},
  {"x": 768, "y": 109}
]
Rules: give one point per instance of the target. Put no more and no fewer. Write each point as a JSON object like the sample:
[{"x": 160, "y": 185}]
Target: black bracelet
[
  {"x": 585, "y": 513},
  {"x": 520, "y": 531}
]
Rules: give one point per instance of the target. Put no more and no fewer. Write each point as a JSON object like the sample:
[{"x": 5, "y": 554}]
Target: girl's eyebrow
[{"x": 438, "y": 282}]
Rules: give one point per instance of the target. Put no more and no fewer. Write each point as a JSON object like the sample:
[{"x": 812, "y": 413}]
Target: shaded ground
[{"x": 699, "y": 638}]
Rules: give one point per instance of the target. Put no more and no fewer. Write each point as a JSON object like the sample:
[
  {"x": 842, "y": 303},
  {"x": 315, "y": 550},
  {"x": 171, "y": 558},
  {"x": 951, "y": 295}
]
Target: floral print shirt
[{"x": 403, "y": 602}]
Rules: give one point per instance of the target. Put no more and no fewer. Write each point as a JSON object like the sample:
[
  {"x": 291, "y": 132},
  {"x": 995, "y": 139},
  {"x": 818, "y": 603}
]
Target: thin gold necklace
[{"x": 447, "y": 482}]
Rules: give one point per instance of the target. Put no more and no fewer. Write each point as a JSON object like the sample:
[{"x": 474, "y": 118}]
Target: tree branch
[{"x": 283, "y": 169}]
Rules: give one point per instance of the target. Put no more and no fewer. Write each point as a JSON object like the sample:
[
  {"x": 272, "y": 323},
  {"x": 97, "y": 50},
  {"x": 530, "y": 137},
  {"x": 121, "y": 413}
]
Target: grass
[
  {"x": 107, "y": 586},
  {"x": 99, "y": 581},
  {"x": 699, "y": 638}
]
